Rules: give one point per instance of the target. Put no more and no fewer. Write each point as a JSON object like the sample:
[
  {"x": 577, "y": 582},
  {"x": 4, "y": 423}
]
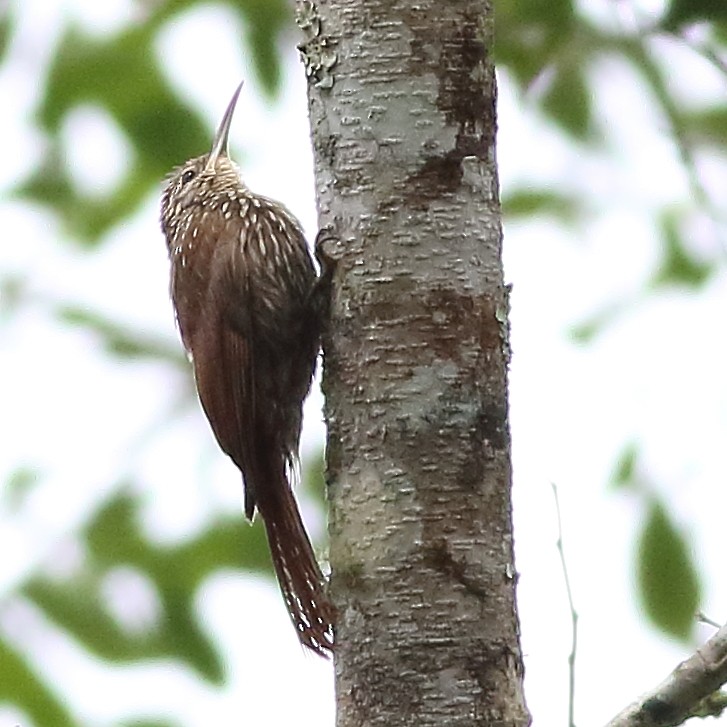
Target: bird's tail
[{"x": 296, "y": 567}]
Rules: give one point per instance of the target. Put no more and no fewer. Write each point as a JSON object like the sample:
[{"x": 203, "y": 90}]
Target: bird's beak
[{"x": 219, "y": 146}]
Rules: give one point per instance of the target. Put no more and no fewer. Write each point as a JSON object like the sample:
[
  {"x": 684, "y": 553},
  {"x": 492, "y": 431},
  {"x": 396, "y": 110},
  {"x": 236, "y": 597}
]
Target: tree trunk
[{"x": 402, "y": 107}]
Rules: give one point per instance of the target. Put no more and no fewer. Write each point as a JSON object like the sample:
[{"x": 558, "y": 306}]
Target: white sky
[{"x": 656, "y": 376}]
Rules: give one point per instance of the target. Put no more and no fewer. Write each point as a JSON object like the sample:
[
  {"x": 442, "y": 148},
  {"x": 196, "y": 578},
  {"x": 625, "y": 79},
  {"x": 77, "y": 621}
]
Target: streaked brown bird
[{"x": 242, "y": 284}]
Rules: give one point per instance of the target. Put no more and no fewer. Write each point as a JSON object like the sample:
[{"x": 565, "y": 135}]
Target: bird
[{"x": 242, "y": 284}]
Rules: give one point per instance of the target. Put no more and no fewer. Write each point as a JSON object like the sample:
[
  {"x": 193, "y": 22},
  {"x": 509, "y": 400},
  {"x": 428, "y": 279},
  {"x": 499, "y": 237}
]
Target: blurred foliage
[
  {"x": 668, "y": 584},
  {"x": 684, "y": 12},
  {"x": 122, "y": 75},
  {"x": 20, "y": 482},
  {"x": 625, "y": 474},
  {"x": 21, "y": 684},
  {"x": 524, "y": 203},
  {"x": 128, "y": 84},
  {"x": 549, "y": 50},
  {"x": 5, "y": 31},
  {"x": 77, "y": 603},
  {"x": 113, "y": 539},
  {"x": 679, "y": 265},
  {"x": 119, "y": 340}
]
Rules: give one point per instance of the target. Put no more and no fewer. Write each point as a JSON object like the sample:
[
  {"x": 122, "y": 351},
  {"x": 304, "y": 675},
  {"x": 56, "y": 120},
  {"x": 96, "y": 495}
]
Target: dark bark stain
[
  {"x": 437, "y": 177},
  {"x": 450, "y": 331},
  {"x": 466, "y": 96},
  {"x": 465, "y": 318},
  {"x": 461, "y": 37},
  {"x": 448, "y": 320},
  {"x": 438, "y": 556}
]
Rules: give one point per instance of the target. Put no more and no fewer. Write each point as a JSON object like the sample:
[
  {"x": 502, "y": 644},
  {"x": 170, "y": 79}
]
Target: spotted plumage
[{"x": 242, "y": 283}]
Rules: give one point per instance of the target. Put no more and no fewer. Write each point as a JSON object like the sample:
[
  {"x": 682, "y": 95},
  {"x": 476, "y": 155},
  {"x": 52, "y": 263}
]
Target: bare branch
[{"x": 683, "y": 693}]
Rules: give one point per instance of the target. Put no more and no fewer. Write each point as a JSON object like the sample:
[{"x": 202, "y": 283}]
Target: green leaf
[
  {"x": 679, "y": 266},
  {"x": 114, "y": 539},
  {"x": 314, "y": 477},
  {"x": 20, "y": 685},
  {"x": 529, "y": 202},
  {"x": 668, "y": 585},
  {"x": 19, "y": 484},
  {"x": 84, "y": 217},
  {"x": 685, "y": 12},
  {"x": 588, "y": 329},
  {"x": 706, "y": 126},
  {"x": 624, "y": 476},
  {"x": 6, "y": 32},
  {"x": 120, "y": 75},
  {"x": 265, "y": 21},
  {"x": 13, "y": 293},
  {"x": 119, "y": 340},
  {"x": 568, "y": 101},
  {"x": 530, "y": 33}
]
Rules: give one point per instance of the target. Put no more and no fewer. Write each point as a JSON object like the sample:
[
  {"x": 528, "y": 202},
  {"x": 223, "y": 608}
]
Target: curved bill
[{"x": 219, "y": 145}]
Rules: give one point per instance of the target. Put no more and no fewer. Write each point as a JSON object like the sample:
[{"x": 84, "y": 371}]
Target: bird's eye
[{"x": 188, "y": 176}]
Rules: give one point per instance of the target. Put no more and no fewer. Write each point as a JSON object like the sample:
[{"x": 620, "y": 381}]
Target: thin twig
[
  {"x": 703, "y": 618},
  {"x": 573, "y": 615}
]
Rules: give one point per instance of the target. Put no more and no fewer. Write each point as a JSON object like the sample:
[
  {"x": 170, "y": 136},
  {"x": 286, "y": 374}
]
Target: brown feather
[{"x": 241, "y": 283}]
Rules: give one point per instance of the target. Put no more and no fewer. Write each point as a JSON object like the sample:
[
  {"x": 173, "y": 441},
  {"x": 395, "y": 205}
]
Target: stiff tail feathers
[
  {"x": 251, "y": 434},
  {"x": 299, "y": 576}
]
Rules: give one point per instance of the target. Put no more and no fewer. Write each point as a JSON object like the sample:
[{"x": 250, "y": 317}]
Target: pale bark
[{"x": 402, "y": 107}]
